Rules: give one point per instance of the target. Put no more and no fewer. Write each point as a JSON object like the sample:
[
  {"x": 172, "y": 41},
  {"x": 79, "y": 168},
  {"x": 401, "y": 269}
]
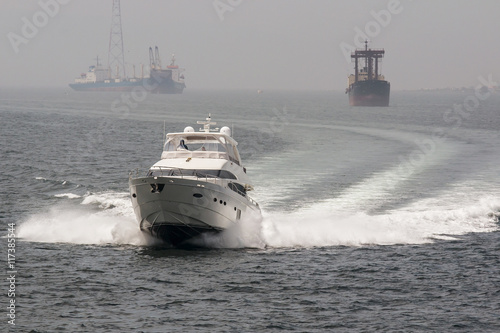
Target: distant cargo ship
[
  {"x": 163, "y": 81},
  {"x": 366, "y": 87}
]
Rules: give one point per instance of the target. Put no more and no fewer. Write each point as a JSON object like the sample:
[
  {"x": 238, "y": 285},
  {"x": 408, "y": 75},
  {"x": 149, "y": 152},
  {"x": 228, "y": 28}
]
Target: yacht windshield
[
  {"x": 195, "y": 143},
  {"x": 202, "y": 143}
]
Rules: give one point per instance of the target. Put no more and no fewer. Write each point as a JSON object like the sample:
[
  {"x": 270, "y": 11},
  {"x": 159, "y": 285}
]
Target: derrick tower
[{"x": 116, "y": 59}]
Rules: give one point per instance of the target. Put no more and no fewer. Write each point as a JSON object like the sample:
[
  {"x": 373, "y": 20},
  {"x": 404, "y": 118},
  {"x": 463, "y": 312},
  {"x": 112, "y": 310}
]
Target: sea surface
[{"x": 374, "y": 219}]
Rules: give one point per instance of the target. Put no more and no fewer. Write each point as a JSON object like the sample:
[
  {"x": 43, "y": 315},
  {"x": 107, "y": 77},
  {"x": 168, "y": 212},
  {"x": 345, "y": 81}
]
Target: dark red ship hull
[{"x": 369, "y": 93}]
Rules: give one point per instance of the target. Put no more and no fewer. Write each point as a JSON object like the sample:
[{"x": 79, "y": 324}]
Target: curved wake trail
[{"x": 322, "y": 226}]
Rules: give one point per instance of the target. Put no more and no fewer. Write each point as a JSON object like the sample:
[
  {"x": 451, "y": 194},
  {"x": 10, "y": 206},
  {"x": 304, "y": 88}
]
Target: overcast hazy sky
[{"x": 252, "y": 44}]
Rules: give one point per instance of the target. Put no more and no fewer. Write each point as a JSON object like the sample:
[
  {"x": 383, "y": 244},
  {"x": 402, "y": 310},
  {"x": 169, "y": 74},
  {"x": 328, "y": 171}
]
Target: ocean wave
[
  {"x": 80, "y": 226},
  {"x": 68, "y": 195},
  {"x": 118, "y": 202}
]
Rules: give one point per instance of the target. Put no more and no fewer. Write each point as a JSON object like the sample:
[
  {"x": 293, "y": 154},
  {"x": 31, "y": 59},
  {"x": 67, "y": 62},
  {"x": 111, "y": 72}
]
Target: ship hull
[
  {"x": 177, "y": 210},
  {"x": 103, "y": 86},
  {"x": 161, "y": 82},
  {"x": 369, "y": 93},
  {"x": 157, "y": 84}
]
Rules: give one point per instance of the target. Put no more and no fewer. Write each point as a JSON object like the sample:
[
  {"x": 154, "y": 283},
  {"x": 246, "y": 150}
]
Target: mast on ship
[
  {"x": 115, "y": 52},
  {"x": 206, "y": 124},
  {"x": 172, "y": 63},
  {"x": 371, "y": 57},
  {"x": 154, "y": 58}
]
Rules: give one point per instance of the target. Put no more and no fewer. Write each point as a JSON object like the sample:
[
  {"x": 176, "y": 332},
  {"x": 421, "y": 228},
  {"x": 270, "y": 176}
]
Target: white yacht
[{"x": 199, "y": 185}]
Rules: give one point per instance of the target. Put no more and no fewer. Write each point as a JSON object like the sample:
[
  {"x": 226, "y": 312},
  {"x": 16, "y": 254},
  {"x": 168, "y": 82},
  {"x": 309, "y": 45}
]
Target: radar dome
[
  {"x": 226, "y": 130},
  {"x": 189, "y": 129}
]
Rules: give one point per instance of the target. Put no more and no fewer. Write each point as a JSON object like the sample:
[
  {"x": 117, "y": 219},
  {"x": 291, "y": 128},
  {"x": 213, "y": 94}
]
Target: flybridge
[{"x": 209, "y": 143}]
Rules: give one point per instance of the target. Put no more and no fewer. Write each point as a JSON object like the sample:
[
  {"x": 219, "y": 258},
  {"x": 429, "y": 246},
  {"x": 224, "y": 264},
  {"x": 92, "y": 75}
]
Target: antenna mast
[{"x": 115, "y": 53}]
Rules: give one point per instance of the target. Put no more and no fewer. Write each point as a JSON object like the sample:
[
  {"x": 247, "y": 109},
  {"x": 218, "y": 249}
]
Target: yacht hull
[{"x": 176, "y": 210}]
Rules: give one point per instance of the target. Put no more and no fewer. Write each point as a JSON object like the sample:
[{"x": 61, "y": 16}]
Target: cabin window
[
  {"x": 226, "y": 174},
  {"x": 238, "y": 188},
  {"x": 206, "y": 146},
  {"x": 170, "y": 146},
  {"x": 232, "y": 154}
]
